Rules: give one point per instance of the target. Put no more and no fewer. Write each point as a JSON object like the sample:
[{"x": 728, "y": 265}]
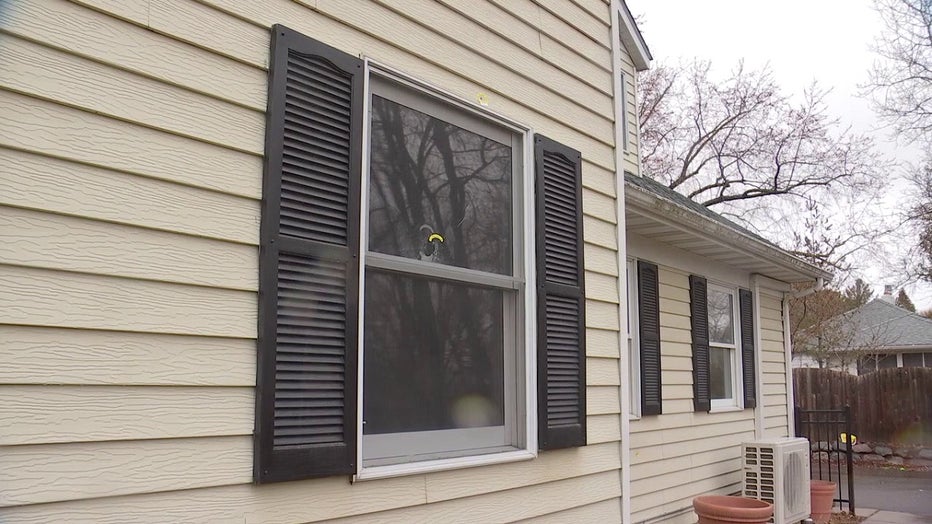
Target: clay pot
[
  {"x": 722, "y": 509},
  {"x": 821, "y": 493}
]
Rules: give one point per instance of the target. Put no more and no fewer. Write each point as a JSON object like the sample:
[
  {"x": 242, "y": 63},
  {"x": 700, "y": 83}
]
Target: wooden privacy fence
[{"x": 890, "y": 405}]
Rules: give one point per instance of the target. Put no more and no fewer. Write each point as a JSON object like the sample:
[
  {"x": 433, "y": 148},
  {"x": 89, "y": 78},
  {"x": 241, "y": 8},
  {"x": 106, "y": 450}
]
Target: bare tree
[
  {"x": 741, "y": 138},
  {"x": 900, "y": 82},
  {"x": 918, "y": 260},
  {"x": 785, "y": 169}
]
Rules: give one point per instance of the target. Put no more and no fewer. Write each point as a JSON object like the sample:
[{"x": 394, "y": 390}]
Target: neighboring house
[
  {"x": 294, "y": 261},
  {"x": 877, "y": 335}
]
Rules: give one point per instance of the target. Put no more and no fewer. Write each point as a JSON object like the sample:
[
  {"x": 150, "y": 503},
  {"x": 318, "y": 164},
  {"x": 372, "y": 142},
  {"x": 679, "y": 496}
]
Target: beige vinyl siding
[
  {"x": 631, "y": 162},
  {"x": 773, "y": 366},
  {"x": 130, "y": 178},
  {"x": 681, "y": 453}
]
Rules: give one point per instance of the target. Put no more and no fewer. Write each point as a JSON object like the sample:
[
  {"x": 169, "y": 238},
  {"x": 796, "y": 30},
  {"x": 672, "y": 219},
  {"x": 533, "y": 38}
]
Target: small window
[
  {"x": 723, "y": 348},
  {"x": 886, "y": 361},
  {"x": 912, "y": 360}
]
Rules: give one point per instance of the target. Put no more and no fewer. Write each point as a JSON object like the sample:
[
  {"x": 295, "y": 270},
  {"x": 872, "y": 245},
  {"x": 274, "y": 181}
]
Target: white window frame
[
  {"x": 524, "y": 425},
  {"x": 634, "y": 342},
  {"x": 737, "y": 400}
]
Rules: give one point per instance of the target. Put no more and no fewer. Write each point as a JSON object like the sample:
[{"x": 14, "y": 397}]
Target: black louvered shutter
[
  {"x": 561, "y": 338},
  {"x": 308, "y": 262},
  {"x": 699, "y": 325},
  {"x": 649, "y": 338},
  {"x": 748, "y": 367}
]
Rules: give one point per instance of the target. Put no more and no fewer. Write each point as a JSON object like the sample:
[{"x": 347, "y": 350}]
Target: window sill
[
  {"x": 725, "y": 409},
  {"x": 398, "y": 470}
]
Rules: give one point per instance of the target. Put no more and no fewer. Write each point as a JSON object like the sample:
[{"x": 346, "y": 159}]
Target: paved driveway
[{"x": 893, "y": 491}]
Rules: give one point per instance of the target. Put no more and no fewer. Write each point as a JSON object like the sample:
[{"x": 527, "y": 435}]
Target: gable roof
[
  {"x": 655, "y": 211},
  {"x": 632, "y": 39},
  {"x": 887, "y": 325}
]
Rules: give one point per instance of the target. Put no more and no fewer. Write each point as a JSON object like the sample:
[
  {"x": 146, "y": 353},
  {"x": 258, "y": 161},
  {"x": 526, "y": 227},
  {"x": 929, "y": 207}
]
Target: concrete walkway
[{"x": 875, "y": 516}]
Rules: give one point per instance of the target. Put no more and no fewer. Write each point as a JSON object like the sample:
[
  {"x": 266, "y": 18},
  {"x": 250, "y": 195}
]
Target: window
[
  {"x": 723, "y": 339},
  {"x": 723, "y": 344},
  {"x": 407, "y": 240},
  {"x": 444, "y": 290},
  {"x": 912, "y": 360}
]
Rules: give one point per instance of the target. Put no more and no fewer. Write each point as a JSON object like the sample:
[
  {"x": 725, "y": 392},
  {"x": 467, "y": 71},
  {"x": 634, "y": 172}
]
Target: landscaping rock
[
  {"x": 820, "y": 456},
  {"x": 903, "y": 452},
  {"x": 862, "y": 448},
  {"x": 925, "y": 453},
  {"x": 883, "y": 450},
  {"x": 872, "y": 457},
  {"x": 898, "y": 461},
  {"x": 819, "y": 446},
  {"x": 919, "y": 462}
]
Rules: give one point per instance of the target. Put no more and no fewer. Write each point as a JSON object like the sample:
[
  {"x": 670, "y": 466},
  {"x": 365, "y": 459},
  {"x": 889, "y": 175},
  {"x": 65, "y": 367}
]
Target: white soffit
[{"x": 658, "y": 219}]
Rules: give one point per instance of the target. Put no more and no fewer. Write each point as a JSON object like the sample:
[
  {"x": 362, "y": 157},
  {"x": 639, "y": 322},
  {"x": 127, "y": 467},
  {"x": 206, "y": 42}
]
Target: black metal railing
[{"x": 830, "y": 440}]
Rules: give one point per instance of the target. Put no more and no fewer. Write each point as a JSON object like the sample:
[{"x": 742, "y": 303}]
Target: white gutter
[
  {"x": 667, "y": 212},
  {"x": 788, "y": 351},
  {"x": 622, "y": 260},
  {"x": 758, "y": 370}
]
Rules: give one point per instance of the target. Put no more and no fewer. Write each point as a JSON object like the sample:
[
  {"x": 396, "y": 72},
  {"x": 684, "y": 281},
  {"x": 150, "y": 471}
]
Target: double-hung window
[
  {"x": 421, "y": 297},
  {"x": 445, "y": 290},
  {"x": 723, "y": 346}
]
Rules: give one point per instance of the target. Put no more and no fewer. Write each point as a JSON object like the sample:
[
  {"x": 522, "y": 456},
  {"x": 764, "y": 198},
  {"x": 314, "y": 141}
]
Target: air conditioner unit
[{"x": 776, "y": 470}]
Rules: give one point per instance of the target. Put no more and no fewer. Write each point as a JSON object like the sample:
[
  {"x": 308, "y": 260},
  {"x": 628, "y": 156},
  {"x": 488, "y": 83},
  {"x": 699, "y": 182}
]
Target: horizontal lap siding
[
  {"x": 773, "y": 367},
  {"x": 631, "y": 162},
  {"x": 681, "y": 454},
  {"x": 130, "y": 178}
]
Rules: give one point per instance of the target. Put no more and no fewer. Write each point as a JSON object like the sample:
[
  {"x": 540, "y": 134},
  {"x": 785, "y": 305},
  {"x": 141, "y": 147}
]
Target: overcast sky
[{"x": 824, "y": 40}]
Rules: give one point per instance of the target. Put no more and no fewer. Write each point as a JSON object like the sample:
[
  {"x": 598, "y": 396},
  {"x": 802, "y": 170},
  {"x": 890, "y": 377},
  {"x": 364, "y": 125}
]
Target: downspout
[
  {"x": 622, "y": 257},
  {"x": 758, "y": 361},
  {"x": 788, "y": 351}
]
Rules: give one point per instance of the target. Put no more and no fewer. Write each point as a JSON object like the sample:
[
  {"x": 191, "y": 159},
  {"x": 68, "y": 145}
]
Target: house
[
  {"x": 877, "y": 335},
  {"x": 295, "y": 261}
]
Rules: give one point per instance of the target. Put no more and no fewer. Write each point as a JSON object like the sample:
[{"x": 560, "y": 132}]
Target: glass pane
[
  {"x": 927, "y": 357},
  {"x": 721, "y": 318},
  {"x": 434, "y": 355},
  {"x": 886, "y": 361},
  {"x": 912, "y": 360},
  {"x": 438, "y": 192},
  {"x": 720, "y": 372}
]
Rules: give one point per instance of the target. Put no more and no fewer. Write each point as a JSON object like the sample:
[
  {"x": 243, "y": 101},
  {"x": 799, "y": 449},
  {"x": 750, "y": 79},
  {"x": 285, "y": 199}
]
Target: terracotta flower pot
[
  {"x": 821, "y": 493},
  {"x": 722, "y": 509}
]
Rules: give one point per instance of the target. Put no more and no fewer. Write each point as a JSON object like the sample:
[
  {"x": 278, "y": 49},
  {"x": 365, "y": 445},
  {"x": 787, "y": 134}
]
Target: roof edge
[
  {"x": 631, "y": 37},
  {"x": 644, "y": 200}
]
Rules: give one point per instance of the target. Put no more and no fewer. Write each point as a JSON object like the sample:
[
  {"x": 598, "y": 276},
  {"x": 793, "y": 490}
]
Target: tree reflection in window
[
  {"x": 427, "y": 172},
  {"x": 435, "y": 349},
  {"x": 721, "y": 318}
]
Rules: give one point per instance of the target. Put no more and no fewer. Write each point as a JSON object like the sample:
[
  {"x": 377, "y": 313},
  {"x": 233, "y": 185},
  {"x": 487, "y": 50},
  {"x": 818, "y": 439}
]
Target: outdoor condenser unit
[{"x": 776, "y": 470}]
